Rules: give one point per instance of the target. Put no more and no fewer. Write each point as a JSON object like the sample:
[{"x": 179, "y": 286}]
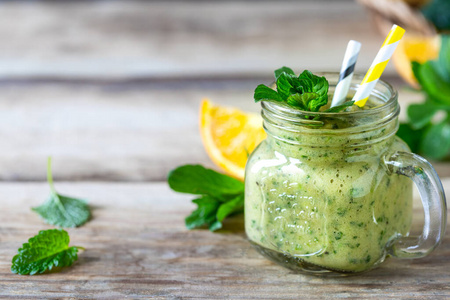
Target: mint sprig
[
  {"x": 62, "y": 211},
  {"x": 220, "y": 195},
  {"x": 306, "y": 92},
  {"x": 45, "y": 251}
]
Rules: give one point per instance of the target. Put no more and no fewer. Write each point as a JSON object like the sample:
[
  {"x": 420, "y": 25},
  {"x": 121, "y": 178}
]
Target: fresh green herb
[
  {"x": 197, "y": 180},
  {"x": 45, "y": 251},
  {"x": 221, "y": 195},
  {"x": 61, "y": 210},
  {"x": 205, "y": 214},
  {"x": 230, "y": 207},
  {"x": 423, "y": 133},
  {"x": 306, "y": 92}
]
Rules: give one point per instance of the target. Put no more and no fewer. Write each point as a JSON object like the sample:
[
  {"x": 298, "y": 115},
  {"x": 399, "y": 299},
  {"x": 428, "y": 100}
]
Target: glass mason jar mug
[{"x": 332, "y": 191}]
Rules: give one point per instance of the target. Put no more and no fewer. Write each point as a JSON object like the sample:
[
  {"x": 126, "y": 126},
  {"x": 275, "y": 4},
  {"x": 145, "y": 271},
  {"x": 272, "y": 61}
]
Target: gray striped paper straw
[{"x": 346, "y": 74}]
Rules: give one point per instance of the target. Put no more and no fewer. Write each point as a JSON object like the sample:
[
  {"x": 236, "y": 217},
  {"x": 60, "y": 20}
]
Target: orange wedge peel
[
  {"x": 415, "y": 48},
  {"x": 229, "y": 136}
]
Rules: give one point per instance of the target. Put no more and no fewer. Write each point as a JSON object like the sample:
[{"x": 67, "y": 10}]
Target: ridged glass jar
[{"x": 329, "y": 192}]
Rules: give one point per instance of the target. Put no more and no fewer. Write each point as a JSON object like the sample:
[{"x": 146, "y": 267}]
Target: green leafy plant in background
[
  {"x": 44, "y": 252},
  {"x": 423, "y": 133},
  {"x": 219, "y": 195},
  {"x": 62, "y": 211},
  {"x": 438, "y": 13}
]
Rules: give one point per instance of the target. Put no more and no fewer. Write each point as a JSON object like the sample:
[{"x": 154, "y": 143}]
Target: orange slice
[
  {"x": 229, "y": 136},
  {"x": 414, "y": 48}
]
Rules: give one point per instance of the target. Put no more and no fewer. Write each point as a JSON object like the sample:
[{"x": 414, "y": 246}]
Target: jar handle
[{"x": 432, "y": 195}]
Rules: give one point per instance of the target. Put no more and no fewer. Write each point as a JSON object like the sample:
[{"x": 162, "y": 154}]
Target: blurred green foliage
[{"x": 428, "y": 129}]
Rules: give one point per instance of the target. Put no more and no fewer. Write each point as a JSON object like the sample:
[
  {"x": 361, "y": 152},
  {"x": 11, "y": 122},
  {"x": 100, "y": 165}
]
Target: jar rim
[
  {"x": 293, "y": 114},
  {"x": 355, "y": 128}
]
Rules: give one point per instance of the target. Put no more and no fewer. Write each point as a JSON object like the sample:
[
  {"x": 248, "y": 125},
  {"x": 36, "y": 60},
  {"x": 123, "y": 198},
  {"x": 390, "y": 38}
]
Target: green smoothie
[{"x": 326, "y": 200}]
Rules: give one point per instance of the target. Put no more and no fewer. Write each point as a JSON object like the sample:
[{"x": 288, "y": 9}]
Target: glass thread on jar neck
[{"x": 343, "y": 129}]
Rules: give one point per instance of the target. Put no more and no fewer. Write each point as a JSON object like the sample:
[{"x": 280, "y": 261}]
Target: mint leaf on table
[
  {"x": 197, "y": 180},
  {"x": 234, "y": 205},
  {"x": 62, "y": 211},
  {"x": 306, "y": 92},
  {"x": 221, "y": 195},
  {"x": 204, "y": 214},
  {"x": 43, "y": 252}
]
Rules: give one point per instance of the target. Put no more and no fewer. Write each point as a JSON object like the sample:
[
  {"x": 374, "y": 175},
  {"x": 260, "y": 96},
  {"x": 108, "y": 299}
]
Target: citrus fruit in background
[
  {"x": 414, "y": 48},
  {"x": 229, "y": 136}
]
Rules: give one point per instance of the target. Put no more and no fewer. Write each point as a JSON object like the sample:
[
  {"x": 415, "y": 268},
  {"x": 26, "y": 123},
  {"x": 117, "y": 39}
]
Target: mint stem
[
  {"x": 53, "y": 190},
  {"x": 49, "y": 174}
]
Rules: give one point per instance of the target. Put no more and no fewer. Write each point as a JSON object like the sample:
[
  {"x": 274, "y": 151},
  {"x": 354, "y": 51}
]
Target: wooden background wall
[{"x": 110, "y": 89}]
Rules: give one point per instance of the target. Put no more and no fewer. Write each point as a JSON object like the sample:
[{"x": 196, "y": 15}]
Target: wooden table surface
[
  {"x": 111, "y": 90},
  {"x": 137, "y": 246}
]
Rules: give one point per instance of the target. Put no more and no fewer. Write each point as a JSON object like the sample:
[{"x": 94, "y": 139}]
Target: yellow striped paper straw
[{"x": 378, "y": 65}]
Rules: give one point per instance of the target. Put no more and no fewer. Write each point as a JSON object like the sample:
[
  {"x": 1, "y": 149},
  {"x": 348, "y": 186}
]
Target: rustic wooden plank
[
  {"x": 137, "y": 247},
  {"x": 130, "y": 131},
  {"x": 101, "y": 132},
  {"x": 112, "y": 92},
  {"x": 122, "y": 39}
]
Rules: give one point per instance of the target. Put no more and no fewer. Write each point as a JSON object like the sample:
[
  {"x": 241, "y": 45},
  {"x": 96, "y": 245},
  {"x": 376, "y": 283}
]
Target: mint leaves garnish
[
  {"x": 306, "y": 92},
  {"x": 49, "y": 249},
  {"x": 220, "y": 195},
  {"x": 62, "y": 211}
]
